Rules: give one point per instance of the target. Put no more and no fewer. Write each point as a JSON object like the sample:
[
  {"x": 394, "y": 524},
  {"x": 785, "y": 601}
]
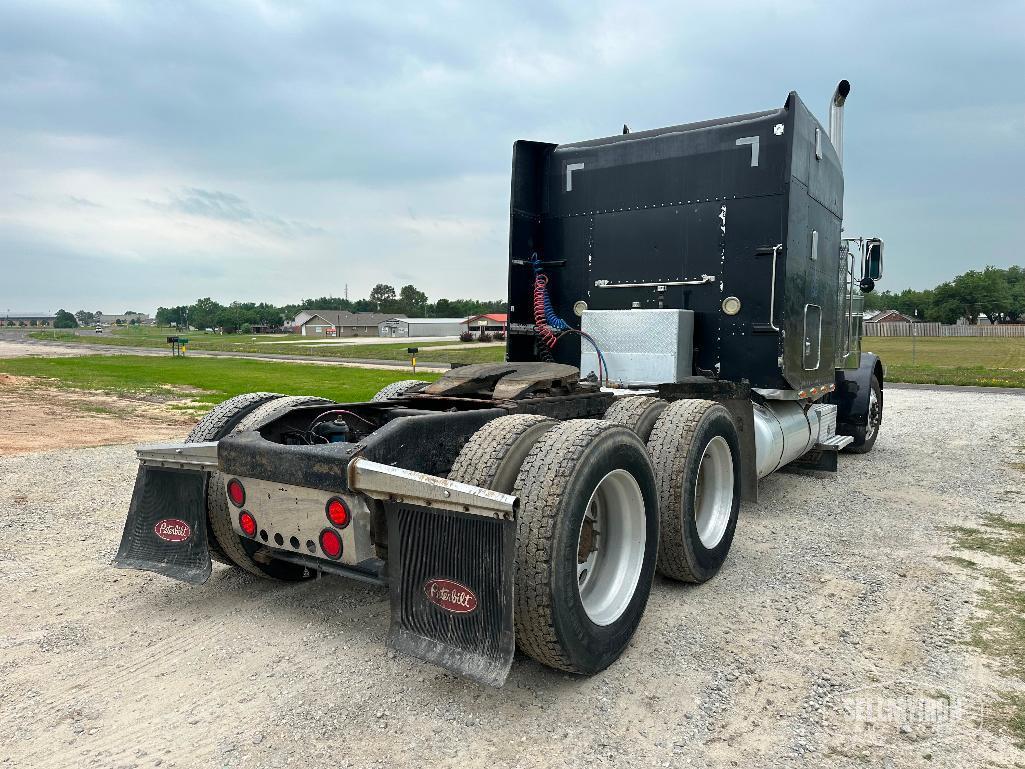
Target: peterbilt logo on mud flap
[
  {"x": 172, "y": 530},
  {"x": 450, "y": 595}
]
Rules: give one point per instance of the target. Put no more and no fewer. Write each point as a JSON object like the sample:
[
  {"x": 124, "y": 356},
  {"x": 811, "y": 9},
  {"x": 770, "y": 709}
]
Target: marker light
[
  {"x": 236, "y": 492},
  {"x": 337, "y": 512},
  {"x": 247, "y": 523},
  {"x": 331, "y": 544}
]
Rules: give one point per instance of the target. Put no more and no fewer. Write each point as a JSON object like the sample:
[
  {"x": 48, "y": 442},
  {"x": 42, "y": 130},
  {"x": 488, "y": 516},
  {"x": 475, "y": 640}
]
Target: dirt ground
[
  {"x": 35, "y": 418},
  {"x": 839, "y": 611}
]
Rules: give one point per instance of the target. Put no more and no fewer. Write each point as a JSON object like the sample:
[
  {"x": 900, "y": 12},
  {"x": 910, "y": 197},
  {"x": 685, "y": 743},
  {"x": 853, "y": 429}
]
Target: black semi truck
[{"x": 684, "y": 319}]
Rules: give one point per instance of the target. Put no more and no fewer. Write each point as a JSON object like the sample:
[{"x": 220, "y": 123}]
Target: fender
[{"x": 852, "y": 390}]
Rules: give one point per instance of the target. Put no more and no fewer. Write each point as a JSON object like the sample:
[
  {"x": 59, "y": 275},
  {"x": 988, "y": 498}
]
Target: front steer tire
[
  {"x": 556, "y": 485},
  {"x": 865, "y": 435},
  {"x": 698, "y": 519}
]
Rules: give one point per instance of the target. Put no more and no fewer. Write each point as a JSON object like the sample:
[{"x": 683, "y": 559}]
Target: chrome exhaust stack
[{"x": 836, "y": 117}]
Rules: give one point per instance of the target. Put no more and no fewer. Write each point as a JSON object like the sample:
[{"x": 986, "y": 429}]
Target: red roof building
[{"x": 490, "y": 322}]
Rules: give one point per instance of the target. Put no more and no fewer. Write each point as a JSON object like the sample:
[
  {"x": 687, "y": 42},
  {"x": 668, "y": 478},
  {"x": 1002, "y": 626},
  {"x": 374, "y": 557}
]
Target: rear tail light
[
  {"x": 338, "y": 512},
  {"x": 236, "y": 492},
  {"x": 331, "y": 544},
  {"x": 247, "y": 523}
]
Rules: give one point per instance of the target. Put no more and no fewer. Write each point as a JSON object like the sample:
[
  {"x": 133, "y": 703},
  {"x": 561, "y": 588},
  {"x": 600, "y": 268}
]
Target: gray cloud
[
  {"x": 224, "y": 206},
  {"x": 213, "y": 204}
]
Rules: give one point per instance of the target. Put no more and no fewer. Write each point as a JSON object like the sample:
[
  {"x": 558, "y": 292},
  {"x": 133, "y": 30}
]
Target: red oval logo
[
  {"x": 172, "y": 530},
  {"x": 450, "y": 595}
]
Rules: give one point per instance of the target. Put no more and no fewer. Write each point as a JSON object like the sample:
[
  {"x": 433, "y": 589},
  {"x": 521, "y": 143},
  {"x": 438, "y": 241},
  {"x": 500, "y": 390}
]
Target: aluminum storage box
[{"x": 641, "y": 347}]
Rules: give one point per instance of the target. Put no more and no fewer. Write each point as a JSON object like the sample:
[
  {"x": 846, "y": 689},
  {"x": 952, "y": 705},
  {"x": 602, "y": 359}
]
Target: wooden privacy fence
[{"x": 940, "y": 329}]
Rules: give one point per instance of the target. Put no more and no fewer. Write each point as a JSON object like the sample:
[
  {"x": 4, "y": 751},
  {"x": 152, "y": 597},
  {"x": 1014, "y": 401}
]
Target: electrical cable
[
  {"x": 319, "y": 417},
  {"x": 546, "y": 322},
  {"x": 603, "y": 367}
]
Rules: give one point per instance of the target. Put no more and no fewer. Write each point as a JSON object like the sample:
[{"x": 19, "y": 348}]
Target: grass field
[
  {"x": 978, "y": 361},
  {"x": 205, "y": 380},
  {"x": 148, "y": 336}
]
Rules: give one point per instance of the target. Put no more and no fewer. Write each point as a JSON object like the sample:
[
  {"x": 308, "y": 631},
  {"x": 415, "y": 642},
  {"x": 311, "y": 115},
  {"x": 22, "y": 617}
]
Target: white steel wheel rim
[
  {"x": 873, "y": 415},
  {"x": 713, "y": 492},
  {"x": 610, "y": 547}
]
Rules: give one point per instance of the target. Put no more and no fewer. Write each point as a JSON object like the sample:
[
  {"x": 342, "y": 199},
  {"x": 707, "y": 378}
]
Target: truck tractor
[{"x": 684, "y": 319}]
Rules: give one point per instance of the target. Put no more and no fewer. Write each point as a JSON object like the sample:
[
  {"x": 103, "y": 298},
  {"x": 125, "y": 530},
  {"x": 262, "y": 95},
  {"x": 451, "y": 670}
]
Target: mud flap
[
  {"x": 166, "y": 527},
  {"x": 451, "y": 583}
]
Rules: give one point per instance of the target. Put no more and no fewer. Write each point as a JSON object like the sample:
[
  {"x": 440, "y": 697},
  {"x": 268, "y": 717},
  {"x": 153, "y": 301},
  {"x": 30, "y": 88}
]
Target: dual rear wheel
[
  {"x": 587, "y": 531},
  {"x": 598, "y": 516},
  {"x": 243, "y": 412}
]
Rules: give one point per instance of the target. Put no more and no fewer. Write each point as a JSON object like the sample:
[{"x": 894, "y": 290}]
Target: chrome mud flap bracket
[
  {"x": 451, "y": 550},
  {"x": 166, "y": 529}
]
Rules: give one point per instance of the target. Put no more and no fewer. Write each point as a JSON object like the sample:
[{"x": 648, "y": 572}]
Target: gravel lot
[{"x": 833, "y": 586}]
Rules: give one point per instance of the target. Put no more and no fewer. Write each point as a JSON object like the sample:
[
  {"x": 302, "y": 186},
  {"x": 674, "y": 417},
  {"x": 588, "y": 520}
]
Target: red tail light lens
[
  {"x": 331, "y": 544},
  {"x": 247, "y": 523},
  {"x": 338, "y": 512},
  {"x": 236, "y": 492}
]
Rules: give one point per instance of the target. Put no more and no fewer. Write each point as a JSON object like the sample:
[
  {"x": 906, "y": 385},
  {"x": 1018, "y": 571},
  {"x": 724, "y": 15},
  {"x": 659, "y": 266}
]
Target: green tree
[
  {"x": 1016, "y": 294},
  {"x": 412, "y": 301},
  {"x": 203, "y": 313},
  {"x": 381, "y": 294},
  {"x": 63, "y": 319},
  {"x": 84, "y": 317}
]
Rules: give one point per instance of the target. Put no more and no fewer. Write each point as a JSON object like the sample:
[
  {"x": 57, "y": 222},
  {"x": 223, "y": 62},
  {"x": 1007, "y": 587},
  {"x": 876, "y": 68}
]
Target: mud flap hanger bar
[
  {"x": 395, "y": 484},
  {"x": 180, "y": 456}
]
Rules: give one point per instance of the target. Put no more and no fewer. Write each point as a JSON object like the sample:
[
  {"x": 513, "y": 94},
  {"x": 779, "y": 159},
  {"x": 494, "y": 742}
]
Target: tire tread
[
  {"x": 395, "y": 389},
  {"x": 481, "y": 458},
  {"x": 219, "y": 513},
  {"x": 670, "y": 445},
  {"x": 633, "y": 411},
  {"x": 543, "y": 477},
  {"x": 217, "y": 423}
]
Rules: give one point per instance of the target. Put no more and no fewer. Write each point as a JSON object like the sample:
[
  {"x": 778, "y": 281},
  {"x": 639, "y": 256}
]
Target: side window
[{"x": 812, "y": 336}]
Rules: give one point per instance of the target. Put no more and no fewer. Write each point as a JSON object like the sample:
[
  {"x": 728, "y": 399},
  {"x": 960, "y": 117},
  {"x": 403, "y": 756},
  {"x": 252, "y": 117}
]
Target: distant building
[
  {"x": 490, "y": 322},
  {"x": 27, "y": 319},
  {"x": 125, "y": 319},
  {"x": 887, "y": 316},
  {"x": 336, "y": 323},
  {"x": 413, "y": 327}
]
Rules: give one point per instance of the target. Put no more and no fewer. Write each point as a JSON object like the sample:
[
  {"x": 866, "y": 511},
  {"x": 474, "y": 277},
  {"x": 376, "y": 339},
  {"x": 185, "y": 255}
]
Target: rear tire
[
  {"x": 638, "y": 412},
  {"x": 220, "y": 421},
  {"x": 865, "y": 435},
  {"x": 397, "y": 389},
  {"x": 587, "y": 540},
  {"x": 492, "y": 457},
  {"x": 245, "y": 553},
  {"x": 696, "y": 454}
]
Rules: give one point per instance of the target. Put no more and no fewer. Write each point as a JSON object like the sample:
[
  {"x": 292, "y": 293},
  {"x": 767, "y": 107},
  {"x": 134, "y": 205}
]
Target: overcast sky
[{"x": 153, "y": 153}]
